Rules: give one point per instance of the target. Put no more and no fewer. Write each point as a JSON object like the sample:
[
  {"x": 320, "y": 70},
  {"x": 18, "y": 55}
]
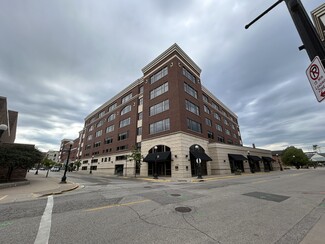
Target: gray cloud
[{"x": 60, "y": 60}]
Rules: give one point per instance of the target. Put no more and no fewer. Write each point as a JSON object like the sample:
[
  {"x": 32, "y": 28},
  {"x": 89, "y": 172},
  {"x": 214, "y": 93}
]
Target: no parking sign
[{"x": 316, "y": 76}]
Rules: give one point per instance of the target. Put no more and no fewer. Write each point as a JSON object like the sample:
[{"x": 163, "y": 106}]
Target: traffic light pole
[{"x": 311, "y": 41}]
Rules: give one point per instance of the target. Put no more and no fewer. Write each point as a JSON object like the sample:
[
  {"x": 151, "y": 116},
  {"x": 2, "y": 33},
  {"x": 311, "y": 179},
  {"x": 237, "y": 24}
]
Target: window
[
  {"x": 192, "y": 107},
  {"x": 188, "y": 75},
  {"x": 217, "y": 116},
  {"x": 210, "y": 135},
  {"x": 112, "y": 107},
  {"x": 205, "y": 98},
  {"x": 233, "y": 126},
  {"x": 90, "y": 137},
  {"x": 191, "y": 91},
  {"x": 123, "y": 157},
  {"x": 160, "y": 74},
  {"x": 234, "y": 135},
  {"x": 110, "y": 128},
  {"x": 159, "y": 90},
  {"x": 140, "y": 115},
  {"x": 111, "y": 117},
  {"x": 227, "y": 132},
  {"x": 159, "y": 126},
  {"x": 220, "y": 139},
  {"x": 206, "y": 109},
  {"x": 125, "y": 122},
  {"x": 225, "y": 121},
  {"x": 140, "y": 101},
  {"x": 127, "y": 98},
  {"x": 100, "y": 123},
  {"x": 208, "y": 122},
  {"x": 91, "y": 128},
  {"x": 215, "y": 106},
  {"x": 88, "y": 147},
  {"x": 97, "y": 144},
  {"x": 108, "y": 140},
  {"x": 219, "y": 128},
  {"x": 101, "y": 114},
  {"x": 123, "y": 136},
  {"x": 141, "y": 89},
  {"x": 230, "y": 141},
  {"x": 139, "y": 131},
  {"x": 126, "y": 109},
  {"x": 119, "y": 148},
  {"x": 99, "y": 133},
  {"x": 159, "y": 108},
  {"x": 194, "y": 126}
]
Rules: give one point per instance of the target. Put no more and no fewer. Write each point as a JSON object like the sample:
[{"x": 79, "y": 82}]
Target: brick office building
[{"x": 173, "y": 119}]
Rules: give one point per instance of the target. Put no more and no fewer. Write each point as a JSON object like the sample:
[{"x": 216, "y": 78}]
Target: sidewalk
[{"x": 36, "y": 186}]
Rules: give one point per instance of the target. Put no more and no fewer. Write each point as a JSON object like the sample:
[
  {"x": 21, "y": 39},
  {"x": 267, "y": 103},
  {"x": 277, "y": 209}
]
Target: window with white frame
[
  {"x": 219, "y": 128},
  {"x": 208, "y": 122},
  {"x": 192, "y": 107},
  {"x": 99, "y": 133},
  {"x": 125, "y": 122},
  {"x": 159, "y": 126},
  {"x": 206, "y": 109},
  {"x": 159, "y": 90},
  {"x": 91, "y": 128},
  {"x": 217, "y": 116},
  {"x": 127, "y": 98},
  {"x": 225, "y": 121},
  {"x": 190, "y": 90},
  {"x": 101, "y": 114},
  {"x": 100, "y": 123},
  {"x": 126, "y": 109},
  {"x": 194, "y": 126},
  {"x": 188, "y": 75},
  {"x": 227, "y": 131},
  {"x": 159, "y": 108},
  {"x": 112, "y": 107},
  {"x": 160, "y": 74},
  {"x": 111, "y": 117},
  {"x": 110, "y": 128}
]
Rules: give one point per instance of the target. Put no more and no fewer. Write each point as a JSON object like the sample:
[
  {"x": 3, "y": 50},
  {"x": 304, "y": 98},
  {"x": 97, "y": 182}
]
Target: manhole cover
[
  {"x": 183, "y": 209},
  {"x": 175, "y": 195}
]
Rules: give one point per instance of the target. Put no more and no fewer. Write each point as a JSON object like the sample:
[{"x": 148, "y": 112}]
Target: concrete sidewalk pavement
[{"x": 34, "y": 187}]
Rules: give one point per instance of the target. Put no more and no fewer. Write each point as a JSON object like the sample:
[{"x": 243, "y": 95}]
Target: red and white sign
[{"x": 316, "y": 76}]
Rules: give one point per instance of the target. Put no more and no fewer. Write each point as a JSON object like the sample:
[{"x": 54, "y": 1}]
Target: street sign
[{"x": 316, "y": 76}]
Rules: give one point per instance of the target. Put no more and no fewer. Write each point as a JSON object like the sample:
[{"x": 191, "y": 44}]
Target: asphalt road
[{"x": 277, "y": 207}]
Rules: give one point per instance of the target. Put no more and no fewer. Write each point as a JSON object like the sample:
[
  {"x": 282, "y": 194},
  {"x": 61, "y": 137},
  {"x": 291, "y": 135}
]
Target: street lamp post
[
  {"x": 155, "y": 174},
  {"x": 198, "y": 163},
  {"x": 64, "y": 177},
  {"x": 3, "y": 128},
  {"x": 91, "y": 164}
]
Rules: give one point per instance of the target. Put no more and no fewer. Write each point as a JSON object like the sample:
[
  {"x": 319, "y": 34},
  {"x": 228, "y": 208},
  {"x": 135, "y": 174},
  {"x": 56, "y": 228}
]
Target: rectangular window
[
  {"x": 139, "y": 131},
  {"x": 205, "y": 98},
  {"x": 127, "y": 98},
  {"x": 119, "y": 158},
  {"x": 188, "y": 75},
  {"x": 230, "y": 141},
  {"x": 160, "y": 74},
  {"x": 99, "y": 133},
  {"x": 210, "y": 135},
  {"x": 140, "y": 101},
  {"x": 112, "y": 107},
  {"x": 215, "y": 106},
  {"x": 141, "y": 89},
  {"x": 208, "y": 122},
  {"x": 234, "y": 135},
  {"x": 159, "y": 90},
  {"x": 227, "y": 132},
  {"x": 191, "y": 91},
  {"x": 97, "y": 144},
  {"x": 119, "y": 148},
  {"x": 108, "y": 140},
  {"x": 125, "y": 122},
  {"x": 88, "y": 146},
  {"x": 91, "y": 128},
  {"x": 206, "y": 109},
  {"x": 123, "y": 136},
  {"x": 100, "y": 123},
  {"x": 225, "y": 121},
  {"x": 159, "y": 126},
  {"x": 110, "y": 128},
  {"x": 159, "y": 108},
  {"x": 219, "y": 128},
  {"x": 217, "y": 116},
  {"x": 194, "y": 126},
  {"x": 101, "y": 114},
  {"x": 90, "y": 137},
  {"x": 192, "y": 107},
  {"x": 140, "y": 115},
  {"x": 221, "y": 139},
  {"x": 126, "y": 109}
]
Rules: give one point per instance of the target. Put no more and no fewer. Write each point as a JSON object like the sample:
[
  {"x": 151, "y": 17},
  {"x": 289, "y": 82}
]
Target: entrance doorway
[{"x": 119, "y": 169}]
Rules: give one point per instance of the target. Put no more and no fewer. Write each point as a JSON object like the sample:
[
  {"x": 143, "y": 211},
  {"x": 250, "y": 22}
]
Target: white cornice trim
[{"x": 166, "y": 53}]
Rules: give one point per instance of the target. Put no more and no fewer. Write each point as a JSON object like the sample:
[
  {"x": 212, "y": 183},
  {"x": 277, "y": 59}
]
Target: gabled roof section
[{"x": 169, "y": 51}]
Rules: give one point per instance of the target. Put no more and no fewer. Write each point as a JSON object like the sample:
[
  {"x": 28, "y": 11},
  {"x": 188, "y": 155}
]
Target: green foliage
[
  {"x": 18, "y": 155},
  {"x": 77, "y": 164},
  {"x": 48, "y": 163},
  {"x": 294, "y": 156},
  {"x": 135, "y": 156}
]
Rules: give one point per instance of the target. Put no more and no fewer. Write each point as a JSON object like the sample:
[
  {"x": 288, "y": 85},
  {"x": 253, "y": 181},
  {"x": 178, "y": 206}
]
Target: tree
[
  {"x": 294, "y": 156},
  {"x": 14, "y": 156},
  {"x": 77, "y": 164},
  {"x": 135, "y": 156},
  {"x": 48, "y": 163}
]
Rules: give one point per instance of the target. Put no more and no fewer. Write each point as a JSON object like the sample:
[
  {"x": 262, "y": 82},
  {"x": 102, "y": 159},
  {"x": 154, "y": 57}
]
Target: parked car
[{"x": 55, "y": 169}]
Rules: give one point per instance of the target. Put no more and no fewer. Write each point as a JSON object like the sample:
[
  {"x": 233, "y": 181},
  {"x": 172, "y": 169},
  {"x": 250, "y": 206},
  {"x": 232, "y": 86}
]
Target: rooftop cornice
[{"x": 169, "y": 51}]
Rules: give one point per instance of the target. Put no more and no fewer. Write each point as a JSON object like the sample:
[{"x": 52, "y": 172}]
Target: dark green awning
[
  {"x": 267, "y": 159},
  {"x": 237, "y": 157},
  {"x": 158, "y": 157},
  {"x": 202, "y": 155},
  {"x": 254, "y": 158}
]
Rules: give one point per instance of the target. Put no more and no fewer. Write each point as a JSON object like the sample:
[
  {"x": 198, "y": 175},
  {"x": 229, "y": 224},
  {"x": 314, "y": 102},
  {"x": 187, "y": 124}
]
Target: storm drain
[
  {"x": 267, "y": 196},
  {"x": 183, "y": 209},
  {"x": 175, "y": 195}
]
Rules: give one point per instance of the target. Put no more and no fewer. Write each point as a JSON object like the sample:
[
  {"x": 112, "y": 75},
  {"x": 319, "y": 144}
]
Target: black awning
[
  {"x": 158, "y": 157},
  {"x": 254, "y": 158},
  {"x": 237, "y": 157},
  {"x": 267, "y": 159},
  {"x": 202, "y": 155}
]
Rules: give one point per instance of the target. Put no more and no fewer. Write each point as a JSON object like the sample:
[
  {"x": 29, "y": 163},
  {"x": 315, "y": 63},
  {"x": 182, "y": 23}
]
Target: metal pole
[
  {"x": 64, "y": 177},
  {"x": 91, "y": 164}
]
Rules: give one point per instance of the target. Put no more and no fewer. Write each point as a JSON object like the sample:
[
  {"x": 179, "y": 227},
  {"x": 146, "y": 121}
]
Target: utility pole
[{"x": 308, "y": 34}]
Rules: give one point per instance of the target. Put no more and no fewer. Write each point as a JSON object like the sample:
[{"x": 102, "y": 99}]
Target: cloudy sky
[{"x": 60, "y": 60}]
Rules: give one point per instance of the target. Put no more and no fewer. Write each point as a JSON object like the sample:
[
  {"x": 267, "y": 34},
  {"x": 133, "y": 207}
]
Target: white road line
[
  {"x": 44, "y": 229},
  {"x": 1, "y": 198}
]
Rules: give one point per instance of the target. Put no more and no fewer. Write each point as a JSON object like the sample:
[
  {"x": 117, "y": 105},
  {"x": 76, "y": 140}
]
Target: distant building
[
  {"x": 318, "y": 16},
  {"x": 53, "y": 155},
  {"x": 178, "y": 125},
  {"x": 9, "y": 118}
]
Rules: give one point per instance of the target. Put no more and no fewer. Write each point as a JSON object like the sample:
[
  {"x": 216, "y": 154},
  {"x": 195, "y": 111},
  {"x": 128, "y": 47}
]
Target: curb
[
  {"x": 56, "y": 191},
  {"x": 14, "y": 184}
]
